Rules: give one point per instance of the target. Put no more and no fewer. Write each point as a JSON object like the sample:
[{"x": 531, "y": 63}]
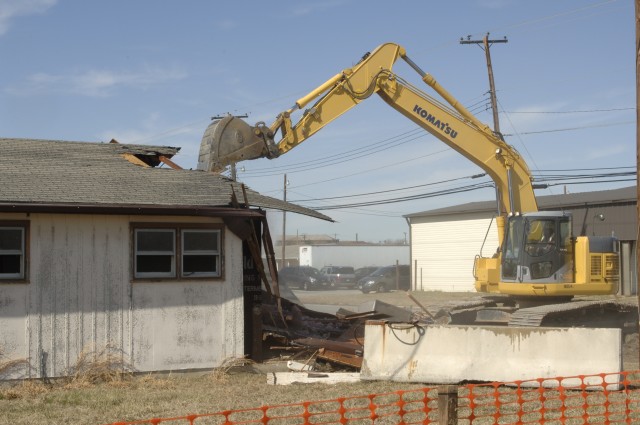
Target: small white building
[
  {"x": 445, "y": 242},
  {"x": 100, "y": 248},
  {"x": 355, "y": 256}
]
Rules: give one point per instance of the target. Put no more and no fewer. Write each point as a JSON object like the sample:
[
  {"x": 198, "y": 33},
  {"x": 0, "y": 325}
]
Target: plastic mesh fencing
[{"x": 611, "y": 399}]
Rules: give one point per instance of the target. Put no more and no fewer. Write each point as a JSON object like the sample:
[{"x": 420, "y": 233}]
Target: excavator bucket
[{"x": 231, "y": 140}]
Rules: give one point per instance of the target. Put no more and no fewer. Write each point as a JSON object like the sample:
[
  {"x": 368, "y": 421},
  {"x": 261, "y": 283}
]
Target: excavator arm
[{"x": 232, "y": 140}]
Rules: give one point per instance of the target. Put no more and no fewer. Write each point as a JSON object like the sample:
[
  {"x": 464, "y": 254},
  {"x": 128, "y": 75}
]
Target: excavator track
[{"x": 599, "y": 313}]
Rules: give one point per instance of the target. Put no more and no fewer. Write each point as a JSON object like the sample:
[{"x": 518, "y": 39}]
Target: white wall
[
  {"x": 451, "y": 354},
  {"x": 80, "y": 296},
  {"x": 357, "y": 256},
  {"x": 443, "y": 250}
]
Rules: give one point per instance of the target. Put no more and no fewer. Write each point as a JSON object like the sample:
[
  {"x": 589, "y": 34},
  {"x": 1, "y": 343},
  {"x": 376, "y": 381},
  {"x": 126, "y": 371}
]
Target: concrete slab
[{"x": 452, "y": 354}]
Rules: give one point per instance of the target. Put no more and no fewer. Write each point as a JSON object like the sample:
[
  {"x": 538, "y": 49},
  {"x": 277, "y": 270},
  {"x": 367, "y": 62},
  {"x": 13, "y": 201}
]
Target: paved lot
[{"x": 351, "y": 297}]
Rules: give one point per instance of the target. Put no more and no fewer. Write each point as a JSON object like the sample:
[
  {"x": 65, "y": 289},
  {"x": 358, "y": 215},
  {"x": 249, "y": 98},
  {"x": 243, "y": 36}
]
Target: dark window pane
[
  {"x": 154, "y": 240},
  {"x": 10, "y": 264},
  {"x": 199, "y": 264},
  {"x": 154, "y": 263},
  {"x": 11, "y": 239},
  {"x": 200, "y": 241}
]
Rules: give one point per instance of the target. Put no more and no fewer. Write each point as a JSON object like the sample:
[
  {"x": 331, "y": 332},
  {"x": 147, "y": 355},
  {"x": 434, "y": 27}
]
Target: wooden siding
[
  {"x": 80, "y": 297},
  {"x": 443, "y": 250}
]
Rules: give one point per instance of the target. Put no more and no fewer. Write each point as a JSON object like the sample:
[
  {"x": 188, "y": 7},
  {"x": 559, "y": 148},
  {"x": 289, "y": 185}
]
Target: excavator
[{"x": 539, "y": 266}]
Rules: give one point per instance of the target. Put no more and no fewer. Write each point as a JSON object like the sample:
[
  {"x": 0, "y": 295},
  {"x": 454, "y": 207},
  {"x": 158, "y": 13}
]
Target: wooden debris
[
  {"x": 353, "y": 360},
  {"x": 287, "y": 378}
]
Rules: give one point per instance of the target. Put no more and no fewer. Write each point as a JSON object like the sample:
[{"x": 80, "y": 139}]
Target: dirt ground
[{"x": 433, "y": 301}]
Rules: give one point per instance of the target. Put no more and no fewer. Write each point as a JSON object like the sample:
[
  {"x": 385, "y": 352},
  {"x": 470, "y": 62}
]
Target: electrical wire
[
  {"x": 341, "y": 157},
  {"x": 461, "y": 189},
  {"x": 558, "y": 179},
  {"x": 574, "y": 128},
  {"x": 393, "y": 190},
  {"x": 572, "y": 112}
]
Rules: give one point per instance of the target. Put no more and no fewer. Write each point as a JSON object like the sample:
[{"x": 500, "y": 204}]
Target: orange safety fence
[{"x": 608, "y": 398}]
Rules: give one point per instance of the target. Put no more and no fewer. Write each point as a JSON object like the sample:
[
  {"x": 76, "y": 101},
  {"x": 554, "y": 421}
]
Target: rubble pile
[{"x": 292, "y": 331}]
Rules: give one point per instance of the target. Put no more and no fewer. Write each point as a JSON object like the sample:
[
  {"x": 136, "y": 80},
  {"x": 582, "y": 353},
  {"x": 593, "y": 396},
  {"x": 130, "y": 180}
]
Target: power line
[
  {"x": 544, "y": 178},
  {"x": 558, "y": 179},
  {"x": 376, "y": 169},
  {"x": 407, "y": 198},
  {"x": 591, "y": 182},
  {"x": 475, "y": 176},
  {"x": 589, "y": 169},
  {"x": 557, "y": 130},
  {"x": 339, "y": 158},
  {"x": 586, "y": 111}
]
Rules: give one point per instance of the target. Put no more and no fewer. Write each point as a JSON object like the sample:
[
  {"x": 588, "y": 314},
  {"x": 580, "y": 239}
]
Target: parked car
[
  {"x": 365, "y": 271},
  {"x": 303, "y": 277},
  {"x": 384, "y": 279},
  {"x": 340, "y": 276}
]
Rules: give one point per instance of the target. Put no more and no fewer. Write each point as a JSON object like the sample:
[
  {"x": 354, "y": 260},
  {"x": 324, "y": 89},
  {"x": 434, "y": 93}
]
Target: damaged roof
[{"x": 82, "y": 174}]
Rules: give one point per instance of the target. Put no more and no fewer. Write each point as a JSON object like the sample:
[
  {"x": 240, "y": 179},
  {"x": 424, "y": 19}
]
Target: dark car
[
  {"x": 340, "y": 276},
  {"x": 384, "y": 279},
  {"x": 365, "y": 271},
  {"x": 303, "y": 277}
]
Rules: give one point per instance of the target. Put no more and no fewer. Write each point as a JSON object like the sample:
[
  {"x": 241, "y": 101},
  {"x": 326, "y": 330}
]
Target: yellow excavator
[{"x": 538, "y": 258}]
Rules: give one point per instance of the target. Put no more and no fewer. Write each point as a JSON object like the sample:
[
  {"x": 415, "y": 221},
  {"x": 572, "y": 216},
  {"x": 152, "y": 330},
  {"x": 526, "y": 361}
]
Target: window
[
  {"x": 200, "y": 252},
  {"x": 155, "y": 253},
  {"x": 180, "y": 251},
  {"x": 12, "y": 252}
]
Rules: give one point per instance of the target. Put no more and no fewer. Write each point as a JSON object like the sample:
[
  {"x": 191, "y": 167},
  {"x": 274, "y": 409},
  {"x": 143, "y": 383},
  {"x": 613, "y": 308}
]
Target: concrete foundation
[{"x": 452, "y": 354}]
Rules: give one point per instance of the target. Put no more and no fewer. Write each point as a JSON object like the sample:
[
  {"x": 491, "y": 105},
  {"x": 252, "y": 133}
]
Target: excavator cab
[
  {"x": 538, "y": 248},
  {"x": 540, "y": 257}
]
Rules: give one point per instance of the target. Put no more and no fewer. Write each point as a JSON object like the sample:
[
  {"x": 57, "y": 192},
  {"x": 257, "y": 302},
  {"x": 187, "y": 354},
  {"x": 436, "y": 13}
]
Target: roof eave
[{"x": 174, "y": 210}]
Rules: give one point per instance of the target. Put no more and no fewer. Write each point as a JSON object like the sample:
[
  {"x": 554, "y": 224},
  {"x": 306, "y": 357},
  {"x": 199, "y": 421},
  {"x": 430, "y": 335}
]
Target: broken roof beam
[{"x": 167, "y": 161}]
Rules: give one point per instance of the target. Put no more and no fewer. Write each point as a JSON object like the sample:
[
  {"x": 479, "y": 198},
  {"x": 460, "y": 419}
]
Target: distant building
[
  {"x": 323, "y": 250},
  {"x": 444, "y": 242}
]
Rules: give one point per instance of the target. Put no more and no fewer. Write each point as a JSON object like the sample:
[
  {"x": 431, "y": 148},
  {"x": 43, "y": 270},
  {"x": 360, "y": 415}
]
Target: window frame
[
  {"x": 214, "y": 252},
  {"x": 136, "y": 253},
  {"x": 23, "y": 275},
  {"x": 178, "y": 273}
]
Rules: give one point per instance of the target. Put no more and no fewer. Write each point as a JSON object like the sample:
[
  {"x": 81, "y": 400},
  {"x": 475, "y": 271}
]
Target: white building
[
  {"x": 355, "y": 256},
  {"x": 101, "y": 248}
]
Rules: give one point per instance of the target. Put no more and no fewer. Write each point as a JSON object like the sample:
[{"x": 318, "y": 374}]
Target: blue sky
[{"x": 155, "y": 72}]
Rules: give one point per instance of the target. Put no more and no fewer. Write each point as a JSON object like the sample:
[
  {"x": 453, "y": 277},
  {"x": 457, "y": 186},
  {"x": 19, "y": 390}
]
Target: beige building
[{"x": 107, "y": 246}]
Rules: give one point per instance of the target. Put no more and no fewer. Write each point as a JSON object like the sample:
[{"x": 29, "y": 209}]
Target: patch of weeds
[
  {"x": 94, "y": 366},
  {"x": 10, "y": 365},
  {"x": 25, "y": 389},
  {"x": 222, "y": 372}
]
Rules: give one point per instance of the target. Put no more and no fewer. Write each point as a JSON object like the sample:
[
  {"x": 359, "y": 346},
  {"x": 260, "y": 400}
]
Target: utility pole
[
  {"x": 284, "y": 223},
  {"x": 637, "y": 5},
  {"x": 485, "y": 45}
]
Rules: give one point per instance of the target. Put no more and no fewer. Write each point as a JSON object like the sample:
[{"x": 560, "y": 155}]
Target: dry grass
[
  {"x": 221, "y": 373},
  {"x": 235, "y": 385},
  {"x": 8, "y": 366},
  {"x": 93, "y": 366}
]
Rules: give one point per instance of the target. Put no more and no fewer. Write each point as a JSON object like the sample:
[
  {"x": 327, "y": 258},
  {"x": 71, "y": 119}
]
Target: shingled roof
[{"x": 54, "y": 173}]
